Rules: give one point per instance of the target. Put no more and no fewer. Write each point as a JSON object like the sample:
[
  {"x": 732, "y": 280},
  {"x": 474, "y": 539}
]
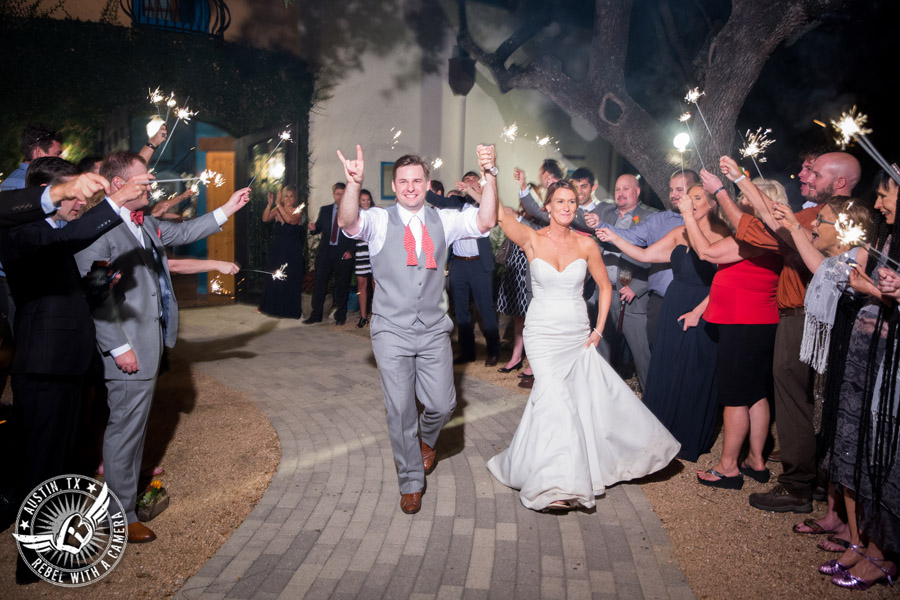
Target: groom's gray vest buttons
[{"x": 405, "y": 294}]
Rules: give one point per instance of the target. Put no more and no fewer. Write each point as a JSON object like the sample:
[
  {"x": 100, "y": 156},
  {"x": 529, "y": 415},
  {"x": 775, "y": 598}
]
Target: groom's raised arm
[
  {"x": 348, "y": 209},
  {"x": 487, "y": 210}
]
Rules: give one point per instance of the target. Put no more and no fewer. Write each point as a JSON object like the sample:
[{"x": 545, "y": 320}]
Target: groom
[{"x": 410, "y": 328}]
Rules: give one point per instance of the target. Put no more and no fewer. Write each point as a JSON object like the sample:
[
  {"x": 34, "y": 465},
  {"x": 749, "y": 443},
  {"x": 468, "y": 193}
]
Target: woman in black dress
[{"x": 282, "y": 297}]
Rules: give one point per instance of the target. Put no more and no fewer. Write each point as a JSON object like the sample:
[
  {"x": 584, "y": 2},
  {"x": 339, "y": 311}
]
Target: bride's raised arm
[{"x": 521, "y": 235}]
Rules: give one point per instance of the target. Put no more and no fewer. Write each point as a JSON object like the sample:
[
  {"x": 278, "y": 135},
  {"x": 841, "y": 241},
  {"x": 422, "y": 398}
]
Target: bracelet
[
  {"x": 741, "y": 178},
  {"x": 149, "y": 145},
  {"x": 716, "y": 193},
  {"x": 598, "y": 332}
]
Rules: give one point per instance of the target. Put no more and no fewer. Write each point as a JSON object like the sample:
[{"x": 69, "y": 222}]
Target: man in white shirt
[{"x": 410, "y": 327}]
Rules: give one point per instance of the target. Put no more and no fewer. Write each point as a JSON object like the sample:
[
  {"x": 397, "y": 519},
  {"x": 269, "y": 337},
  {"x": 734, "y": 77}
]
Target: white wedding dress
[{"x": 583, "y": 428}]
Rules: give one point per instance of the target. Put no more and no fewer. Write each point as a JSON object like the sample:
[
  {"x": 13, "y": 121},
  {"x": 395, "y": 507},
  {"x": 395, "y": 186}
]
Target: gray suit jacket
[
  {"x": 129, "y": 314},
  {"x": 608, "y": 213}
]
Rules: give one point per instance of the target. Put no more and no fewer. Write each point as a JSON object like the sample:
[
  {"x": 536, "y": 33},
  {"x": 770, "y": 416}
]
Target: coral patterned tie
[
  {"x": 409, "y": 244},
  {"x": 137, "y": 217}
]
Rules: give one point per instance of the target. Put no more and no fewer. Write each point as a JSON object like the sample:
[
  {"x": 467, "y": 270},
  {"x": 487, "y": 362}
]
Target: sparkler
[
  {"x": 684, "y": 118},
  {"x": 216, "y": 287},
  {"x": 510, "y": 133},
  {"x": 170, "y": 104},
  {"x": 756, "y": 145},
  {"x": 850, "y": 127},
  {"x": 284, "y": 136},
  {"x": 681, "y": 142},
  {"x": 299, "y": 209},
  {"x": 278, "y": 274},
  {"x": 207, "y": 178},
  {"x": 692, "y": 97},
  {"x": 437, "y": 163},
  {"x": 851, "y": 234},
  {"x": 155, "y": 98},
  {"x": 396, "y": 137},
  {"x": 181, "y": 114}
]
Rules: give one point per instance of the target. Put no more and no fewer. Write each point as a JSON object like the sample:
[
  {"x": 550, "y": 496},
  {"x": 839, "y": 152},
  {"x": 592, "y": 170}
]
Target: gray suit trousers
[
  {"x": 416, "y": 362},
  {"x": 123, "y": 443},
  {"x": 634, "y": 328}
]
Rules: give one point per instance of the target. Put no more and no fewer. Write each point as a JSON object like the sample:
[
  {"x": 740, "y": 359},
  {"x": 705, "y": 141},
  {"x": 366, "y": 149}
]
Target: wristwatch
[{"x": 493, "y": 170}]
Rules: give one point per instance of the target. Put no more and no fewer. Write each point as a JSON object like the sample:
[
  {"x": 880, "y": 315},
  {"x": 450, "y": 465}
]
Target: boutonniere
[{"x": 636, "y": 219}]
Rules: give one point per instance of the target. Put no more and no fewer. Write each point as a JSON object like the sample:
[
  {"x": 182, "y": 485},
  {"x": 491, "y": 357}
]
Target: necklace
[{"x": 566, "y": 249}]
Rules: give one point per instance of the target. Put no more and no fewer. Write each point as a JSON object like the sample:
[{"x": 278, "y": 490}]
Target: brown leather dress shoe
[
  {"x": 138, "y": 533},
  {"x": 411, "y": 503},
  {"x": 527, "y": 383},
  {"x": 428, "y": 457},
  {"x": 491, "y": 361}
]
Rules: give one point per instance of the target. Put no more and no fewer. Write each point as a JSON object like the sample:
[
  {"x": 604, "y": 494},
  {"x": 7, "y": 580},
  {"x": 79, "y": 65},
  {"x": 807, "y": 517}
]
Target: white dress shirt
[{"x": 457, "y": 225}]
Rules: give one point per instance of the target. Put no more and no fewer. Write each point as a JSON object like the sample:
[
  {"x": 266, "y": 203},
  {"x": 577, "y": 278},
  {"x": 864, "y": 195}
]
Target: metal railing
[{"x": 211, "y": 17}]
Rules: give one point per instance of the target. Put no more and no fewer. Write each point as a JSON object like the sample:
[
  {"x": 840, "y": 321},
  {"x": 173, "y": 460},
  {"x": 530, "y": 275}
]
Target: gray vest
[{"x": 405, "y": 294}]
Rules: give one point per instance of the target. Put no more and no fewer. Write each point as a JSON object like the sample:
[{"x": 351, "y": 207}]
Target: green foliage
[
  {"x": 73, "y": 75},
  {"x": 25, "y": 9}
]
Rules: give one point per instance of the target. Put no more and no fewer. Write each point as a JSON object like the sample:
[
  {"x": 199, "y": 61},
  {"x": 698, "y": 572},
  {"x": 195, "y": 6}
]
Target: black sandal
[
  {"x": 724, "y": 482},
  {"x": 760, "y": 476}
]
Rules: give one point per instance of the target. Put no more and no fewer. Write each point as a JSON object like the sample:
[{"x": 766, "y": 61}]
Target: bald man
[
  {"x": 833, "y": 174},
  {"x": 632, "y": 298}
]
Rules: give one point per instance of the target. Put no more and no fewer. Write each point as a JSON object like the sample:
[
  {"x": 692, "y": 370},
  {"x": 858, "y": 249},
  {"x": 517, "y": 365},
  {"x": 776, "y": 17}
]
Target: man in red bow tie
[
  {"x": 141, "y": 317},
  {"x": 410, "y": 328}
]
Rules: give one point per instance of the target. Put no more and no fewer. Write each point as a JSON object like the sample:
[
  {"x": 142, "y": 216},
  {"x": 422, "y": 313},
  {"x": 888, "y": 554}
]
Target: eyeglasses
[{"x": 821, "y": 221}]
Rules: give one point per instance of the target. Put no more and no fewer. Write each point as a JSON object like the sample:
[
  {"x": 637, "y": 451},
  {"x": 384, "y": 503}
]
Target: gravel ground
[{"x": 219, "y": 452}]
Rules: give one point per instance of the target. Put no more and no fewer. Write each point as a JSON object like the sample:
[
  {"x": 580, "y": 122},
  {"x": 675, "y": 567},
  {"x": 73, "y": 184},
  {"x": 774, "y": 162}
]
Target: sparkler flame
[
  {"x": 155, "y": 96},
  {"x": 171, "y": 102},
  {"x": 184, "y": 114},
  {"x": 279, "y": 273},
  {"x": 157, "y": 194},
  {"x": 850, "y": 126},
  {"x": 285, "y": 135},
  {"x": 299, "y": 209},
  {"x": 685, "y": 116},
  {"x": 849, "y": 233},
  {"x": 437, "y": 163},
  {"x": 510, "y": 133},
  {"x": 210, "y": 177},
  {"x": 694, "y": 95},
  {"x": 756, "y": 145}
]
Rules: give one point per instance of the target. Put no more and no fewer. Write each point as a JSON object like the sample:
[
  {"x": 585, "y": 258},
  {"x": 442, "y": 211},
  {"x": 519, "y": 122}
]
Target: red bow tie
[{"x": 137, "y": 217}]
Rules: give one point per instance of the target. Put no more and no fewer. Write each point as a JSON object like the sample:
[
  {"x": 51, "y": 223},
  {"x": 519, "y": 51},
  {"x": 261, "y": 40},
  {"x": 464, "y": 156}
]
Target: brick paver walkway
[{"x": 329, "y": 526}]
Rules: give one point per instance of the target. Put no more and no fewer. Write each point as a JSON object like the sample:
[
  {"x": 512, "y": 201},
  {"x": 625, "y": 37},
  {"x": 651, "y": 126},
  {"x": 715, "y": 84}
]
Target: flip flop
[
  {"x": 760, "y": 476},
  {"x": 813, "y": 526},
  {"x": 724, "y": 482},
  {"x": 833, "y": 544}
]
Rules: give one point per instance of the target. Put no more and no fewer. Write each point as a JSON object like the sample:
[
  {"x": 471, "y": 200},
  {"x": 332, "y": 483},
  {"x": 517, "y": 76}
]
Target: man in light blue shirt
[
  {"x": 36, "y": 142},
  {"x": 649, "y": 231}
]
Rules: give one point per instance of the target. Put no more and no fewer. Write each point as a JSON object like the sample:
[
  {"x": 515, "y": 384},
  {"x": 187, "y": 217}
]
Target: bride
[{"x": 583, "y": 429}]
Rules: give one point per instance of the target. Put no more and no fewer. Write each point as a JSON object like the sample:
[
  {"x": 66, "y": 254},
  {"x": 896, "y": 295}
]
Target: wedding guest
[
  {"x": 834, "y": 173},
  {"x": 133, "y": 327},
  {"x": 55, "y": 333},
  {"x": 742, "y": 306},
  {"x": 514, "y": 295},
  {"x": 649, "y": 231},
  {"x": 333, "y": 258},
  {"x": 864, "y": 436},
  {"x": 471, "y": 278},
  {"x": 283, "y": 297},
  {"x": 629, "y": 305},
  {"x": 37, "y": 141},
  {"x": 364, "y": 279},
  {"x": 682, "y": 388},
  {"x": 830, "y": 259}
]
